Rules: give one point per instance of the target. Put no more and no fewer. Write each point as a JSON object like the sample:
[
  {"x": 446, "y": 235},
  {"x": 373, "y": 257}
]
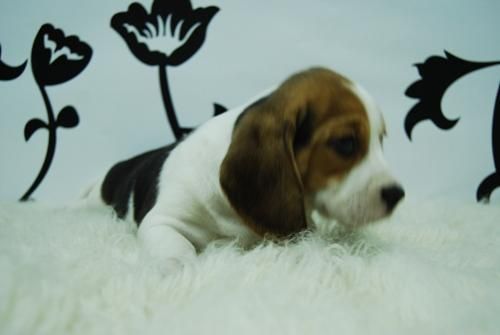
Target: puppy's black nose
[{"x": 392, "y": 195}]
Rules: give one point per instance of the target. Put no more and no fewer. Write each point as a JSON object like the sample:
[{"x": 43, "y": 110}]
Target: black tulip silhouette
[
  {"x": 168, "y": 35},
  {"x": 438, "y": 73},
  {"x": 8, "y": 72},
  {"x": 55, "y": 59}
]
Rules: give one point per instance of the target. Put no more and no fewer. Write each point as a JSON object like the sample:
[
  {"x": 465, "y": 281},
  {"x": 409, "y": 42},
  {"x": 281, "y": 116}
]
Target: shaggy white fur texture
[{"x": 433, "y": 268}]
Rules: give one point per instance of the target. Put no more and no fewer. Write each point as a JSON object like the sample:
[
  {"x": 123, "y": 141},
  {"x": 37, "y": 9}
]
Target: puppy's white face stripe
[
  {"x": 356, "y": 199},
  {"x": 375, "y": 117}
]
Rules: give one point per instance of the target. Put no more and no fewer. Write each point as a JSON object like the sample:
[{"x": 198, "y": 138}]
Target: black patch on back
[
  {"x": 139, "y": 175},
  {"x": 304, "y": 131}
]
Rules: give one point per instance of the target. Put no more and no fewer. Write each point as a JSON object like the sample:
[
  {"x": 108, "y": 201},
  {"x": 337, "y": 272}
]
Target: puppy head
[{"x": 315, "y": 143}]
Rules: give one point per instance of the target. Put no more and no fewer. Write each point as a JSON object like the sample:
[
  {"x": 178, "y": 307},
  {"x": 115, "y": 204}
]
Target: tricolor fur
[{"x": 312, "y": 144}]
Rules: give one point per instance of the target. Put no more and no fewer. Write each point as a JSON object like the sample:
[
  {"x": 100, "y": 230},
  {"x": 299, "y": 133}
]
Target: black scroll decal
[
  {"x": 437, "y": 75},
  {"x": 55, "y": 59},
  {"x": 490, "y": 183},
  {"x": 170, "y": 34}
]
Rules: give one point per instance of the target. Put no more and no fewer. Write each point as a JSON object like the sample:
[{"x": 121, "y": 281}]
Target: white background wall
[{"x": 250, "y": 46}]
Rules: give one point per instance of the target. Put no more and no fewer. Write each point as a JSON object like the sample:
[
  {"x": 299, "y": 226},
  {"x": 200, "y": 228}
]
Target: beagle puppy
[{"x": 312, "y": 144}]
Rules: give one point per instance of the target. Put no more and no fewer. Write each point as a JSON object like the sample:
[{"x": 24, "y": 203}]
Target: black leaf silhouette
[
  {"x": 490, "y": 183},
  {"x": 32, "y": 126},
  {"x": 437, "y": 73},
  {"x": 8, "y": 72},
  {"x": 67, "y": 117},
  {"x": 219, "y": 109}
]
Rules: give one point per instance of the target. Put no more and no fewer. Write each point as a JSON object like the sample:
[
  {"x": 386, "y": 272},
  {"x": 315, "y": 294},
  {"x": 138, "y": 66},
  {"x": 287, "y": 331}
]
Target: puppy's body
[
  {"x": 190, "y": 190},
  {"x": 177, "y": 188},
  {"x": 314, "y": 143}
]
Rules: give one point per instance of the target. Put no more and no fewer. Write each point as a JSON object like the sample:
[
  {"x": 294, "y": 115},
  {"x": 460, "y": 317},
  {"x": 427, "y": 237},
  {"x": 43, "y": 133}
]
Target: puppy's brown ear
[{"x": 259, "y": 174}]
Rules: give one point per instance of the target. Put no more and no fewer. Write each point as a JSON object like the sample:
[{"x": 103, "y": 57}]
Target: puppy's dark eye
[{"x": 345, "y": 146}]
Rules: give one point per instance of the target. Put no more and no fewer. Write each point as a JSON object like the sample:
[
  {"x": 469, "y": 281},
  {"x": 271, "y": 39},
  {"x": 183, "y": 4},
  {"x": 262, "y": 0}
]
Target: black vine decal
[
  {"x": 490, "y": 183},
  {"x": 170, "y": 34},
  {"x": 55, "y": 59},
  {"x": 438, "y": 74},
  {"x": 10, "y": 72}
]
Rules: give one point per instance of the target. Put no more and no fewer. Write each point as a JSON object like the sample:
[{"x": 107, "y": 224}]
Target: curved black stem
[
  {"x": 495, "y": 138},
  {"x": 491, "y": 182},
  {"x": 51, "y": 146},
  {"x": 178, "y": 131}
]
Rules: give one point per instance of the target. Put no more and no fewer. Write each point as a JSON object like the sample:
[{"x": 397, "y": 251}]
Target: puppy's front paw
[{"x": 170, "y": 266}]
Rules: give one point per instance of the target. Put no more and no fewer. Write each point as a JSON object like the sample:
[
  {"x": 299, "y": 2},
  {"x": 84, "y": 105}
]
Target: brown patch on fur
[{"x": 281, "y": 149}]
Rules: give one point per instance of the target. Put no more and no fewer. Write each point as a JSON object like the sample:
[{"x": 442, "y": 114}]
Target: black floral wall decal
[
  {"x": 170, "y": 34},
  {"x": 219, "y": 109},
  {"x": 55, "y": 59},
  {"x": 491, "y": 182},
  {"x": 10, "y": 72},
  {"x": 437, "y": 75}
]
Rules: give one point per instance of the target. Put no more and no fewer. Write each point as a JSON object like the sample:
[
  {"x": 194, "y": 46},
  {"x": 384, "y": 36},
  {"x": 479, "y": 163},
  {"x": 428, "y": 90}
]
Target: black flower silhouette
[
  {"x": 8, "y": 72},
  {"x": 438, "y": 73},
  {"x": 55, "y": 59},
  {"x": 169, "y": 34}
]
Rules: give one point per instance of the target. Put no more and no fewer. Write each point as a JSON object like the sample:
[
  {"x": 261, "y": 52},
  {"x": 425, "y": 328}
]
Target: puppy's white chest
[{"x": 190, "y": 194}]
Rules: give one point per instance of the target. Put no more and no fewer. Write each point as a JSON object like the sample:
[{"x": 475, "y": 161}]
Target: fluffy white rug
[{"x": 434, "y": 268}]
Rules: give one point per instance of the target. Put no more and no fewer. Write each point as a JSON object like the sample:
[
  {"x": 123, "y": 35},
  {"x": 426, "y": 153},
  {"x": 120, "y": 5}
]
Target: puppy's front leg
[{"x": 165, "y": 243}]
